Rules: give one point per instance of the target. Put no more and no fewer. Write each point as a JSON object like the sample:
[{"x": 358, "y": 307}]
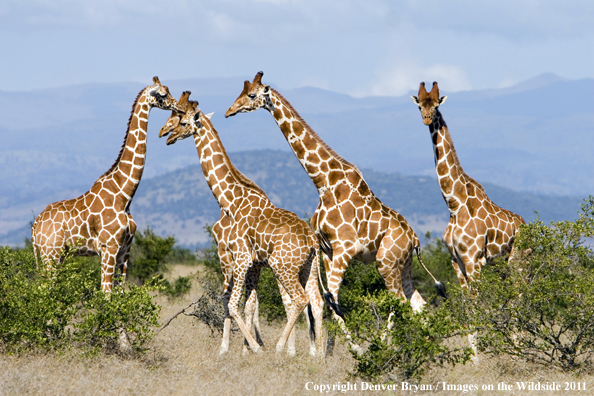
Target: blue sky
[{"x": 372, "y": 47}]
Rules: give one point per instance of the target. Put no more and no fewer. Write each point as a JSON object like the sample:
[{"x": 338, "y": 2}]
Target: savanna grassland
[{"x": 183, "y": 359}]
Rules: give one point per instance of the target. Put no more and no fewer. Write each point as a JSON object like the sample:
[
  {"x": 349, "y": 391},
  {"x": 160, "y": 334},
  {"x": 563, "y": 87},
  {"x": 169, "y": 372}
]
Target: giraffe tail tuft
[
  {"x": 329, "y": 298},
  {"x": 312, "y": 332}
]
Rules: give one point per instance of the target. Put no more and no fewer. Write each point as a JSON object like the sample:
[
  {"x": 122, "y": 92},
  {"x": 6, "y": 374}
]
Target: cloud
[{"x": 401, "y": 80}]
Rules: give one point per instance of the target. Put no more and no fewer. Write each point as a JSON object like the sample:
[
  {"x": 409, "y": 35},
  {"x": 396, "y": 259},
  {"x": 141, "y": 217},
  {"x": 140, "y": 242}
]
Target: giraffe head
[
  {"x": 428, "y": 102},
  {"x": 158, "y": 96},
  {"x": 254, "y": 96},
  {"x": 188, "y": 125},
  {"x": 176, "y": 114}
]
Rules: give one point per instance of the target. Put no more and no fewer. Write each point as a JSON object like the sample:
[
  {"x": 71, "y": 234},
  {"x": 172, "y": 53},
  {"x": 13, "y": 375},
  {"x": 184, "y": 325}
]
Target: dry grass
[{"x": 184, "y": 360}]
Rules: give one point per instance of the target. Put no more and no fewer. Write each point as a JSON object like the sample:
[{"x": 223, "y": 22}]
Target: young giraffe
[
  {"x": 99, "y": 221},
  {"x": 260, "y": 233},
  {"x": 478, "y": 230},
  {"x": 221, "y": 231},
  {"x": 350, "y": 221}
]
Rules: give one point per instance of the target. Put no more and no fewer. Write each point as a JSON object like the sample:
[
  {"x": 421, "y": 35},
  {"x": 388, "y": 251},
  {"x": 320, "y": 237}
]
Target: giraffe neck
[
  {"x": 322, "y": 164},
  {"x": 230, "y": 187},
  {"x": 450, "y": 175},
  {"x": 123, "y": 178}
]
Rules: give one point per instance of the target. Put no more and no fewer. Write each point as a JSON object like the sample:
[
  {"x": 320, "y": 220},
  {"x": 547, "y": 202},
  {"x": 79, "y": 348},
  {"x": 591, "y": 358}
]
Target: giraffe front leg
[
  {"x": 242, "y": 264},
  {"x": 251, "y": 302},
  {"x": 228, "y": 283},
  {"x": 226, "y": 260},
  {"x": 124, "y": 253},
  {"x": 108, "y": 264},
  {"x": 334, "y": 278}
]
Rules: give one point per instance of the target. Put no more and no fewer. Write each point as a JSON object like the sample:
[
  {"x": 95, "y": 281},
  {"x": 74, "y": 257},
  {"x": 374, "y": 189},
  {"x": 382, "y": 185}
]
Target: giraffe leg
[
  {"x": 296, "y": 293},
  {"x": 459, "y": 274},
  {"x": 334, "y": 278},
  {"x": 108, "y": 262},
  {"x": 228, "y": 284},
  {"x": 291, "y": 351},
  {"x": 226, "y": 261},
  {"x": 316, "y": 306},
  {"x": 251, "y": 301},
  {"x": 242, "y": 264},
  {"x": 124, "y": 253}
]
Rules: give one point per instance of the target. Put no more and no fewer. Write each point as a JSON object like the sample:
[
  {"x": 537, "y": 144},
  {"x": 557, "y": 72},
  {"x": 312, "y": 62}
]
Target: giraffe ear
[
  {"x": 414, "y": 99},
  {"x": 266, "y": 88},
  {"x": 442, "y": 100},
  {"x": 197, "y": 119},
  {"x": 209, "y": 115},
  {"x": 156, "y": 80}
]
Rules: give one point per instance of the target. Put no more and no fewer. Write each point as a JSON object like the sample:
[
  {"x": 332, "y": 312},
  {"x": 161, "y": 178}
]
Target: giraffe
[
  {"x": 221, "y": 231},
  {"x": 478, "y": 230},
  {"x": 261, "y": 233},
  {"x": 99, "y": 221},
  {"x": 350, "y": 221}
]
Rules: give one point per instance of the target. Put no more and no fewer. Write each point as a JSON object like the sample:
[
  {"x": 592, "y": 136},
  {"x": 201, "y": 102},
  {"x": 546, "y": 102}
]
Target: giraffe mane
[
  {"x": 240, "y": 176},
  {"x": 117, "y": 161},
  {"x": 314, "y": 134}
]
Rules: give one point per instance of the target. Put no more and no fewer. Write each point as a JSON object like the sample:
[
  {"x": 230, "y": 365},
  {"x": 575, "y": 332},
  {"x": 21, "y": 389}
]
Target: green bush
[
  {"x": 414, "y": 342},
  {"x": 150, "y": 257},
  {"x": 209, "y": 257},
  {"x": 46, "y": 310},
  {"x": 541, "y": 307}
]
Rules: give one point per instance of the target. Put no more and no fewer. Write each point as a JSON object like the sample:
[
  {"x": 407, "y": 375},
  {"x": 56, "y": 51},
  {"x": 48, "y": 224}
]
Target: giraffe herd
[{"x": 350, "y": 222}]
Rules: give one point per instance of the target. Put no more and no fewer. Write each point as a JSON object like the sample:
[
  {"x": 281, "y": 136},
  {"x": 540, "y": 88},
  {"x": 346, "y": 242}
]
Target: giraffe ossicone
[{"x": 99, "y": 221}]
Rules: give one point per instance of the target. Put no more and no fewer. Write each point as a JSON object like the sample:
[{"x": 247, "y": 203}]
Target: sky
[{"x": 361, "y": 48}]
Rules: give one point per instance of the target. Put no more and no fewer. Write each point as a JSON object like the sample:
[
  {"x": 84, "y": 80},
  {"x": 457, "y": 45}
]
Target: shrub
[
  {"x": 541, "y": 307},
  {"x": 46, "y": 310},
  {"x": 413, "y": 342},
  {"x": 150, "y": 256}
]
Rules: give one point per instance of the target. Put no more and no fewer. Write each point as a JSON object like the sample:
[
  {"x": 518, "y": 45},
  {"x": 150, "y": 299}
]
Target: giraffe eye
[{"x": 252, "y": 96}]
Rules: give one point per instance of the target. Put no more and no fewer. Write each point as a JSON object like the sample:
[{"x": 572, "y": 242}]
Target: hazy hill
[
  {"x": 535, "y": 136},
  {"x": 181, "y": 203}
]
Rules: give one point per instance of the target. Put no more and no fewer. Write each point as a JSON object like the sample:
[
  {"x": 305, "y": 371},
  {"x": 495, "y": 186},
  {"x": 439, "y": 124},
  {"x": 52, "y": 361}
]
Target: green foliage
[
  {"x": 209, "y": 257},
  {"x": 413, "y": 342},
  {"x": 269, "y": 297},
  {"x": 49, "y": 310},
  {"x": 540, "y": 306},
  {"x": 103, "y": 317},
  {"x": 150, "y": 256}
]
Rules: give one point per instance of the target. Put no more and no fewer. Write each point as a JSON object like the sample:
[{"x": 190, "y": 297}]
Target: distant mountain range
[{"x": 534, "y": 137}]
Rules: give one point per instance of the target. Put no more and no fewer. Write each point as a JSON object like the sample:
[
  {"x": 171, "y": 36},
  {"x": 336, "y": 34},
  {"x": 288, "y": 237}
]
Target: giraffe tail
[
  {"x": 325, "y": 245},
  {"x": 439, "y": 286},
  {"x": 33, "y": 234}
]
